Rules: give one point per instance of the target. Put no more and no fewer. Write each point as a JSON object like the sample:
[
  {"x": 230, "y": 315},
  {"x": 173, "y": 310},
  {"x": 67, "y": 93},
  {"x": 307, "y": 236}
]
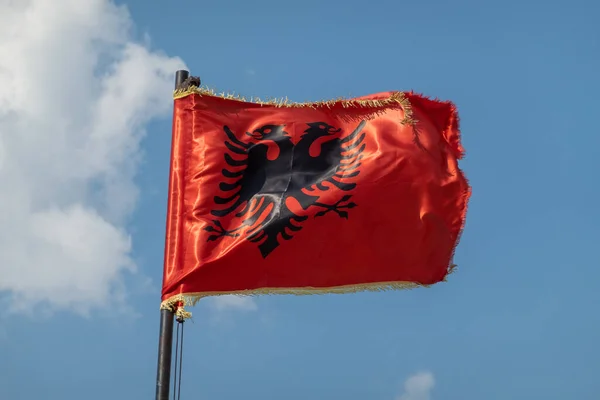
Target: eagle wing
[
  {"x": 347, "y": 153},
  {"x": 244, "y": 178}
]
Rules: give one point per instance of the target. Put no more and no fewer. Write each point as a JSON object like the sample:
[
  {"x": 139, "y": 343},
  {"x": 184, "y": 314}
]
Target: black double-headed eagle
[{"x": 258, "y": 187}]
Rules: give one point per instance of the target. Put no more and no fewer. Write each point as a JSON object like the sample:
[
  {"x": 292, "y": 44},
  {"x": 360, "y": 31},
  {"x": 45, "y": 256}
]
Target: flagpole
[{"x": 167, "y": 317}]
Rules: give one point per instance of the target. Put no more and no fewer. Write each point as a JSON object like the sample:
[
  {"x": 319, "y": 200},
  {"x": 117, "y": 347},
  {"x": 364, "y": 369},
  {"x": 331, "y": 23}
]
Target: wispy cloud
[
  {"x": 233, "y": 303},
  {"x": 77, "y": 91},
  {"x": 418, "y": 387}
]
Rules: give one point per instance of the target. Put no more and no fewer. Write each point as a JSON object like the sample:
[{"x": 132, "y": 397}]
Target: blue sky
[{"x": 517, "y": 320}]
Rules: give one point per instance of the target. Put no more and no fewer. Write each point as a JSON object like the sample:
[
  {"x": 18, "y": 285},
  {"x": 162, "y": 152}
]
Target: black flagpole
[{"x": 165, "y": 339}]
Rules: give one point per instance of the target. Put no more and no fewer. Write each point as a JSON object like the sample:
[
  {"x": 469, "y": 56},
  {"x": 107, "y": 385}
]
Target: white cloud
[
  {"x": 76, "y": 92},
  {"x": 232, "y": 302},
  {"x": 418, "y": 387}
]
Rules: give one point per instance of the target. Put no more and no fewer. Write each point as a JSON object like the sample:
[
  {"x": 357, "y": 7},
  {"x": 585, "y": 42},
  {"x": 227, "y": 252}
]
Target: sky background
[{"x": 85, "y": 102}]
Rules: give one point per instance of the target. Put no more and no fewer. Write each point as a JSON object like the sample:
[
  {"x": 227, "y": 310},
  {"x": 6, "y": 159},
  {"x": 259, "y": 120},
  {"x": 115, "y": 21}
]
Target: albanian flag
[{"x": 335, "y": 196}]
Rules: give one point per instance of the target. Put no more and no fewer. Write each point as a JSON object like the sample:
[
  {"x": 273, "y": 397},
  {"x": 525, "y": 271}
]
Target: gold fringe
[
  {"x": 395, "y": 99},
  {"x": 181, "y": 314},
  {"x": 178, "y": 302}
]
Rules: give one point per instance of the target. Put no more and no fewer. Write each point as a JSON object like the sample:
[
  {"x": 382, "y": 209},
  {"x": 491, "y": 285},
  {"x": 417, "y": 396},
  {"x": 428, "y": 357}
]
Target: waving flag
[{"x": 335, "y": 196}]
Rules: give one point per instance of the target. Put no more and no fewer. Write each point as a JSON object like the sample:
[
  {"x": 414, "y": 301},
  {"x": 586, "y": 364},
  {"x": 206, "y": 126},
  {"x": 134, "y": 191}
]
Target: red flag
[{"x": 338, "y": 196}]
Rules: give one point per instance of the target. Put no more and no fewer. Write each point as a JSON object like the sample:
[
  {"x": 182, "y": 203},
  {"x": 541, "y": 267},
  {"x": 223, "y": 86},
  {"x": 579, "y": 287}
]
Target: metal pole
[
  {"x": 165, "y": 349},
  {"x": 165, "y": 339}
]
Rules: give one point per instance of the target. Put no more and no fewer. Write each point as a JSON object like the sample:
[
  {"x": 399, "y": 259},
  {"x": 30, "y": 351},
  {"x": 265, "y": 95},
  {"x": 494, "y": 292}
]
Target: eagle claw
[
  {"x": 219, "y": 231},
  {"x": 336, "y": 207}
]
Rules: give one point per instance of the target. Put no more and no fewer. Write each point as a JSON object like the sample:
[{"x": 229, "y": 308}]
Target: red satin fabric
[{"x": 411, "y": 201}]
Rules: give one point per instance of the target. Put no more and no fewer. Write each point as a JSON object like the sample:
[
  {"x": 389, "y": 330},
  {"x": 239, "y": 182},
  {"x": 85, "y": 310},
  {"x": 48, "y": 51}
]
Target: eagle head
[
  {"x": 320, "y": 129},
  {"x": 268, "y": 132}
]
